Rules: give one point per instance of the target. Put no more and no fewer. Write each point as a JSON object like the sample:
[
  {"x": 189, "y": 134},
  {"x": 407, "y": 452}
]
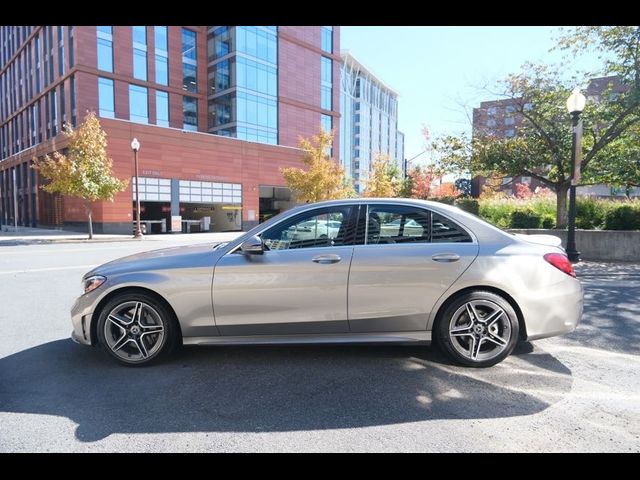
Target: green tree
[
  {"x": 384, "y": 179},
  {"x": 542, "y": 146},
  {"x": 86, "y": 171},
  {"x": 324, "y": 178}
]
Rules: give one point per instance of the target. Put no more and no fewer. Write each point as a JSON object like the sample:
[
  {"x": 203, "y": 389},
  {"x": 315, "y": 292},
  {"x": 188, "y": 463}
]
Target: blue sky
[{"x": 438, "y": 70}]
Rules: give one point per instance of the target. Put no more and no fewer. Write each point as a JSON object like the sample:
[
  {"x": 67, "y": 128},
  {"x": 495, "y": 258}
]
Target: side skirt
[{"x": 327, "y": 338}]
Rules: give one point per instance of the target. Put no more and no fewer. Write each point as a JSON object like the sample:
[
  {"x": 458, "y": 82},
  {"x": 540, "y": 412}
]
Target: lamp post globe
[
  {"x": 135, "y": 146},
  {"x": 575, "y": 105}
]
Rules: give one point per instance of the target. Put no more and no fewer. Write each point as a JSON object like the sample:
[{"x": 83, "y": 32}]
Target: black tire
[
  {"x": 156, "y": 312},
  {"x": 505, "y": 324}
]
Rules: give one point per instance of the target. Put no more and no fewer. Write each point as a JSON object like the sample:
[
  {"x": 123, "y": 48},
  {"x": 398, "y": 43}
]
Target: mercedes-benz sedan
[{"x": 395, "y": 270}]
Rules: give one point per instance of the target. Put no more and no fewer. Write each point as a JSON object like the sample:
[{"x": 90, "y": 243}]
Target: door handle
[
  {"x": 328, "y": 258},
  {"x": 445, "y": 257}
]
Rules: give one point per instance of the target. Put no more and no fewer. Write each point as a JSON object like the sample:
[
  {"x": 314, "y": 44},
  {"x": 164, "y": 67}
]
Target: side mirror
[{"x": 253, "y": 246}]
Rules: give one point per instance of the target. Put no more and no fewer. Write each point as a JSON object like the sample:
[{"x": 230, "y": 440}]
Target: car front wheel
[
  {"x": 136, "y": 329},
  {"x": 478, "y": 329}
]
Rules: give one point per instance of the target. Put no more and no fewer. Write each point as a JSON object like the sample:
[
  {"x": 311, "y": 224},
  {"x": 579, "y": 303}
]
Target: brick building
[{"x": 217, "y": 111}]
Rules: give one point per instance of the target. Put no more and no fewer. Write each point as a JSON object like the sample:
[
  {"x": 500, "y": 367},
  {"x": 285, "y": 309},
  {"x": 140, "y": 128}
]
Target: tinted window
[
  {"x": 445, "y": 230},
  {"x": 397, "y": 224},
  {"x": 319, "y": 228}
]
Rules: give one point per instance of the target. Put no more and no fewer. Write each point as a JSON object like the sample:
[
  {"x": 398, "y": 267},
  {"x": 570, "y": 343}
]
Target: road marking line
[{"x": 48, "y": 269}]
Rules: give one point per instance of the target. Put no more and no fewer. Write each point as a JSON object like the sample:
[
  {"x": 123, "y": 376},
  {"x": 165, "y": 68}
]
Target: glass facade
[
  {"x": 106, "y": 103},
  {"x": 140, "y": 52},
  {"x": 162, "y": 108},
  {"x": 368, "y": 123},
  {"x": 190, "y": 113},
  {"x": 189, "y": 61},
  {"x": 243, "y": 82},
  {"x": 162, "y": 55},
  {"x": 138, "y": 104},
  {"x": 105, "y": 49}
]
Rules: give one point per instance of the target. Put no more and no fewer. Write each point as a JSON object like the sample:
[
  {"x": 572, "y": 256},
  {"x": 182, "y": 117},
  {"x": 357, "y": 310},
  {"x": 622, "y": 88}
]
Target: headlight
[{"x": 93, "y": 282}]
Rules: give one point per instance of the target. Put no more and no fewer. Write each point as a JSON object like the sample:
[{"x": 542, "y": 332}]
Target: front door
[
  {"x": 406, "y": 260},
  {"x": 297, "y": 286}
]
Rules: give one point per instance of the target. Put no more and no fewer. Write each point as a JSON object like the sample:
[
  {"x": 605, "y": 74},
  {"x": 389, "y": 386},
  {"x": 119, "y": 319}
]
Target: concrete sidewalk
[{"x": 37, "y": 236}]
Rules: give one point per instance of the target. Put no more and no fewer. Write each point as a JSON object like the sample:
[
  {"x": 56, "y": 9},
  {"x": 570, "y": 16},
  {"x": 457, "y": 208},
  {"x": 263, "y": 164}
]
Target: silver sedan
[{"x": 394, "y": 270}]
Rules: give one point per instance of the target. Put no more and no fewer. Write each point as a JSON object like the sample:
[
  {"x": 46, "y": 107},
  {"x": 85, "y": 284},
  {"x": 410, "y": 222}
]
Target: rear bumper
[{"x": 553, "y": 310}]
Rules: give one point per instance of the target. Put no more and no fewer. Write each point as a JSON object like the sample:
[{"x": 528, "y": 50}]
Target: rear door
[{"x": 406, "y": 259}]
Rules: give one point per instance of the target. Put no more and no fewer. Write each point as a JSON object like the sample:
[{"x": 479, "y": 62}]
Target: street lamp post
[
  {"x": 135, "y": 146},
  {"x": 575, "y": 106}
]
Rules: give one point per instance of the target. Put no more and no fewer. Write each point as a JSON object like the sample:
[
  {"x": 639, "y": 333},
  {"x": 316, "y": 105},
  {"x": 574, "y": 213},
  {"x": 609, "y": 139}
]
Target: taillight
[{"x": 561, "y": 262}]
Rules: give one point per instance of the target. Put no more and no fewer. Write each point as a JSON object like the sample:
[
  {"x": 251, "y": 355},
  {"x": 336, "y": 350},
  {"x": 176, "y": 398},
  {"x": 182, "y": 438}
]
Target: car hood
[{"x": 190, "y": 256}]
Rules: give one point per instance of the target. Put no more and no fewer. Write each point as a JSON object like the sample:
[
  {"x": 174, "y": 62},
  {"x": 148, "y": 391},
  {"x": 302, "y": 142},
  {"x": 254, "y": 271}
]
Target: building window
[
  {"x": 189, "y": 61},
  {"x": 325, "y": 97},
  {"x": 510, "y": 109},
  {"x": 162, "y": 55},
  {"x": 140, "y": 52},
  {"x": 105, "y": 49},
  {"x": 510, "y": 133},
  {"x": 325, "y": 122},
  {"x": 525, "y": 180},
  {"x": 54, "y": 113},
  {"x": 509, "y": 120},
  {"x": 190, "y": 113},
  {"x": 106, "y": 105},
  {"x": 327, "y": 39},
  {"x": 63, "y": 109},
  {"x": 60, "y": 50},
  {"x": 162, "y": 108},
  {"x": 527, "y": 107},
  {"x": 50, "y": 52},
  {"x": 138, "y": 104},
  {"x": 37, "y": 48},
  {"x": 72, "y": 99},
  {"x": 326, "y": 83},
  {"x": 71, "y": 50},
  {"x": 491, "y": 122},
  {"x": 491, "y": 111}
]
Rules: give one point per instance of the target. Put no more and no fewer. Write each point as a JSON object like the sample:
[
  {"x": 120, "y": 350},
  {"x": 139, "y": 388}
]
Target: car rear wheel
[
  {"x": 478, "y": 329},
  {"x": 136, "y": 329}
]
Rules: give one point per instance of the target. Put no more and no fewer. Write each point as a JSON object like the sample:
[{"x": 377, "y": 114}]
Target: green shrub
[
  {"x": 549, "y": 221},
  {"x": 470, "y": 205},
  {"x": 622, "y": 217},
  {"x": 525, "y": 218},
  {"x": 590, "y": 212}
]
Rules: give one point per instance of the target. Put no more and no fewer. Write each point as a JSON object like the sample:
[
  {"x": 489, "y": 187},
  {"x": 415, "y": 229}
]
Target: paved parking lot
[{"x": 580, "y": 392}]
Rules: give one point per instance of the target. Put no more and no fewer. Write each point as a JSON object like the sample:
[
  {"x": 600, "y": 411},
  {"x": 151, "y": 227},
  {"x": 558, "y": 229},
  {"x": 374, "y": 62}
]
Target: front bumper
[{"x": 81, "y": 316}]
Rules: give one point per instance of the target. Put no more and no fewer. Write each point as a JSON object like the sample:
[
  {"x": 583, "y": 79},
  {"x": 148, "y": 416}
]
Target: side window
[
  {"x": 444, "y": 230},
  {"x": 319, "y": 228},
  {"x": 397, "y": 224}
]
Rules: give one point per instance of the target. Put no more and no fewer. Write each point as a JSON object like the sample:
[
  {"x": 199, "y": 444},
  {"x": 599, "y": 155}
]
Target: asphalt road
[{"x": 580, "y": 392}]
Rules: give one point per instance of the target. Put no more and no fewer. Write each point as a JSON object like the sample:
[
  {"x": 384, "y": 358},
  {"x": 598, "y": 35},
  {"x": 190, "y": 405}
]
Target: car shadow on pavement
[{"x": 272, "y": 388}]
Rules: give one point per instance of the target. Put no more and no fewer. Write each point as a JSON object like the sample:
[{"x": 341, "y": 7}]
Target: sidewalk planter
[{"x": 604, "y": 245}]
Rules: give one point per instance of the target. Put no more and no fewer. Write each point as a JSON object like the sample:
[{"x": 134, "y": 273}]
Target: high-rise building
[
  {"x": 368, "y": 122},
  {"x": 218, "y": 110}
]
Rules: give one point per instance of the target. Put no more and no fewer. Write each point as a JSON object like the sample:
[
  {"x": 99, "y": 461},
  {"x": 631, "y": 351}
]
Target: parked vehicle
[{"x": 357, "y": 270}]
